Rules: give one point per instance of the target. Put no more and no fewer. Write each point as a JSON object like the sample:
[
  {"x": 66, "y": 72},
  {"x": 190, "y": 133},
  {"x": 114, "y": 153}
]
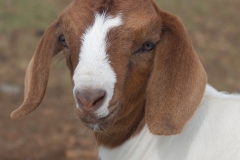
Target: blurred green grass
[
  {"x": 212, "y": 25},
  {"x": 28, "y": 14},
  {"x": 22, "y": 23}
]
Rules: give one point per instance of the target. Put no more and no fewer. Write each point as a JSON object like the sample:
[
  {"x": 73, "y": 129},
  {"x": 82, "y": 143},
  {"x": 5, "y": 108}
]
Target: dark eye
[
  {"x": 63, "y": 41},
  {"x": 148, "y": 46}
]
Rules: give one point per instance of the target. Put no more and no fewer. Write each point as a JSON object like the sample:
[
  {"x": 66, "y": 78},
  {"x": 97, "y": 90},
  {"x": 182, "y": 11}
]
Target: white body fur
[{"x": 213, "y": 133}]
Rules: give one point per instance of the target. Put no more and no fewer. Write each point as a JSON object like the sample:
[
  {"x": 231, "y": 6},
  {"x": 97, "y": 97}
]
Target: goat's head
[{"x": 128, "y": 60}]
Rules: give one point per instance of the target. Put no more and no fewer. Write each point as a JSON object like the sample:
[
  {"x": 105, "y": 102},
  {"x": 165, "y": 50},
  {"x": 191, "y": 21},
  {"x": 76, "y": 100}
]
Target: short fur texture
[{"x": 159, "y": 95}]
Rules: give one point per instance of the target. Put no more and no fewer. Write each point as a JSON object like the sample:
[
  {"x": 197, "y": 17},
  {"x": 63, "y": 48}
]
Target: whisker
[
  {"x": 103, "y": 131},
  {"x": 97, "y": 135},
  {"x": 91, "y": 132}
]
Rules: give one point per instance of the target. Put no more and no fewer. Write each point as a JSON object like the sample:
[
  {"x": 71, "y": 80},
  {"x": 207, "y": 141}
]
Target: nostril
[
  {"x": 99, "y": 97},
  {"x": 90, "y": 99}
]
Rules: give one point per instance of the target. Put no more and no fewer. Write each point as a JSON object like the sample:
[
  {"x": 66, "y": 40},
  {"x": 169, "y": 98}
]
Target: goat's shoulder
[
  {"x": 221, "y": 102},
  {"x": 216, "y": 124},
  {"x": 219, "y": 111}
]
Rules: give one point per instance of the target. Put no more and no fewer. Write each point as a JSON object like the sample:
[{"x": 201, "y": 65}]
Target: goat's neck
[{"x": 129, "y": 122}]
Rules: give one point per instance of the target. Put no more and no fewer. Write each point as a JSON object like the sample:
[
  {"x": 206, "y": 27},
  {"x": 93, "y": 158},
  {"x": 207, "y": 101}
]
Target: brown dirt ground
[{"x": 49, "y": 133}]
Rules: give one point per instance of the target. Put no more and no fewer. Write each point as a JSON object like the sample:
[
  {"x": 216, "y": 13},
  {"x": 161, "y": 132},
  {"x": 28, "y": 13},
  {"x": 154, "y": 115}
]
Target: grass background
[{"x": 214, "y": 27}]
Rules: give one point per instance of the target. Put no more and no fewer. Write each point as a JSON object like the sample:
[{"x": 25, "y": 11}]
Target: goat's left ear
[
  {"x": 177, "y": 82},
  {"x": 37, "y": 73}
]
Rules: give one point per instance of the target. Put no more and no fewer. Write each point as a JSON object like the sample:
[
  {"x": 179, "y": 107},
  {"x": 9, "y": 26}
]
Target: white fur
[
  {"x": 212, "y": 134},
  {"x": 93, "y": 70}
]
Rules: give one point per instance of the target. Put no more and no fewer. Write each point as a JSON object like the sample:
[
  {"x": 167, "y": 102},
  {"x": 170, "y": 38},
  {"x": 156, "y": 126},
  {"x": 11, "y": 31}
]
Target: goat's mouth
[{"x": 98, "y": 124}]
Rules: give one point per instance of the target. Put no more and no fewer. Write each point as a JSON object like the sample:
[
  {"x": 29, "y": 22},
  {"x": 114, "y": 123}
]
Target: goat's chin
[{"x": 99, "y": 124}]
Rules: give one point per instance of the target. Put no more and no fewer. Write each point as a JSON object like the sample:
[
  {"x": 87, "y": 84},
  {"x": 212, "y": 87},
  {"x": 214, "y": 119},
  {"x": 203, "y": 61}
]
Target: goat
[{"x": 137, "y": 83}]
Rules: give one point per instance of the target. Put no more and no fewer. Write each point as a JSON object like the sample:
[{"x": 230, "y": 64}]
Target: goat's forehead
[
  {"x": 83, "y": 12},
  {"x": 78, "y": 17},
  {"x": 94, "y": 38}
]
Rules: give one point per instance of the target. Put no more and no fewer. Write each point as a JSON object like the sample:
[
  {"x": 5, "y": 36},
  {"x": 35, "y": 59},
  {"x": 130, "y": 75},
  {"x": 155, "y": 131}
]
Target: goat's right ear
[
  {"x": 37, "y": 73},
  {"x": 177, "y": 82}
]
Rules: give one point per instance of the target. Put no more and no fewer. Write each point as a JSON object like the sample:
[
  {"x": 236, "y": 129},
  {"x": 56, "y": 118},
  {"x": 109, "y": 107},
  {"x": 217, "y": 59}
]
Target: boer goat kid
[{"x": 137, "y": 78}]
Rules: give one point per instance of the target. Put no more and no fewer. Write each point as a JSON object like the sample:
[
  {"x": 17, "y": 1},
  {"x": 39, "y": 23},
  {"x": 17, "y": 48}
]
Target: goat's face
[
  {"x": 128, "y": 60},
  {"x": 110, "y": 56}
]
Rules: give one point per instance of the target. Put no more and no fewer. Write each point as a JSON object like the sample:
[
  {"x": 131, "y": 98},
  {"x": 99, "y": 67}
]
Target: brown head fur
[{"x": 162, "y": 87}]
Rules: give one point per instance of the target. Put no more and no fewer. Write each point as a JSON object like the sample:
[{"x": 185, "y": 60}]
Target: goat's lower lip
[
  {"x": 102, "y": 123},
  {"x": 94, "y": 127}
]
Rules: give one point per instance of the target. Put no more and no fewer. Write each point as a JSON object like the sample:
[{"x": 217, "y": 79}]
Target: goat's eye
[
  {"x": 63, "y": 41},
  {"x": 148, "y": 46}
]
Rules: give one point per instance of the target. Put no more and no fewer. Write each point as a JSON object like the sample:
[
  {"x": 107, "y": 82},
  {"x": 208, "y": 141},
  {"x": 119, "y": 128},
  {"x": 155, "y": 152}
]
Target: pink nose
[{"x": 90, "y": 100}]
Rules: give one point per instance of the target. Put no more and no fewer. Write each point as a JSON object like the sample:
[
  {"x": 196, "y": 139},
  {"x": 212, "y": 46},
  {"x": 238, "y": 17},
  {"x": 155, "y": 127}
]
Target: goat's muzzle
[{"x": 90, "y": 100}]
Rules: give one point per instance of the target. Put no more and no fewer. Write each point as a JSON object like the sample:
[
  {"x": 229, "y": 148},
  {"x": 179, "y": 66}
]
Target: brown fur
[
  {"x": 177, "y": 82},
  {"x": 161, "y": 88},
  {"x": 38, "y": 72}
]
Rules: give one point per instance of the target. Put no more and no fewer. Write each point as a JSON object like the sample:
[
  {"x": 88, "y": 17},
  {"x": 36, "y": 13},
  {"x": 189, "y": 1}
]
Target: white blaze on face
[{"x": 94, "y": 70}]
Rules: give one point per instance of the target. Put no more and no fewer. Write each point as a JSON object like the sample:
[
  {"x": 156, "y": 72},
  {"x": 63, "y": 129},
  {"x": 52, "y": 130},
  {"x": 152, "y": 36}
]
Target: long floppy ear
[
  {"x": 38, "y": 72},
  {"x": 177, "y": 82}
]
